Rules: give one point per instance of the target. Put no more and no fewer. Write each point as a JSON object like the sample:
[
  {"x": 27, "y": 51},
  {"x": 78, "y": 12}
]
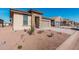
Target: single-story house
[
  {"x": 21, "y": 20},
  {"x": 1, "y": 23},
  {"x": 76, "y": 24},
  {"x": 6, "y": 24},
  {"x": 56, "y": 21},
  {"x": 66, "y": 22},
  {"x": 59, "y": 21}
]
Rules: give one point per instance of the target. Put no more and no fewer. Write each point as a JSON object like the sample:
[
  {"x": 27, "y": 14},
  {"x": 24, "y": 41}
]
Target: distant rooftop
[{"x": 46, "y": 18}]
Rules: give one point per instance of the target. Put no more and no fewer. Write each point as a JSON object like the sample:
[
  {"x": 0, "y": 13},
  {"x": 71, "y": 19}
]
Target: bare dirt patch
[{"x": 42, "y": 40}]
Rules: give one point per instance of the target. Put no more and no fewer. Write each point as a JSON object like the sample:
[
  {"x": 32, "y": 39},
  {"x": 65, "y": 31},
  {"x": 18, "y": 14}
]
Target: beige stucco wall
[
  {"x": 44, "y": 23},
  {"x": 18, "y": 22},
  {"x": 58, "y": 21}
]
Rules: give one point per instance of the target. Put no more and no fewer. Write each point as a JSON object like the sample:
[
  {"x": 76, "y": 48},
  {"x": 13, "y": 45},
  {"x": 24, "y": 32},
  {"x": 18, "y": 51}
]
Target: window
[{"x": 25, "y": 20}]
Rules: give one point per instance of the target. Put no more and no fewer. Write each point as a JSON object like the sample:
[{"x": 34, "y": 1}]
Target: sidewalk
[{"x": 70, "y": 43}]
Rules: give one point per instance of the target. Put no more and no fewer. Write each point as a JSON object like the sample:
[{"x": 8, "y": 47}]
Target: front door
[
  {"x": 37, "y": 21},
  {"x": 52, "y": 23}
]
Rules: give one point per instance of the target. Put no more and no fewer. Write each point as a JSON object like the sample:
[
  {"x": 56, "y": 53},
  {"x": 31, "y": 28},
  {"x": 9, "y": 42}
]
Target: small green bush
[
  {"x": 31, "y": 30},
  {"x": 25, "y": 30}
]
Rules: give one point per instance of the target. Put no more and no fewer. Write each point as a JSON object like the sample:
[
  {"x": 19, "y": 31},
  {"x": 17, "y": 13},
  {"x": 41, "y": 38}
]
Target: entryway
[
  {"x": 52, "y": 23},
  {"x": 37, "y": 21}
]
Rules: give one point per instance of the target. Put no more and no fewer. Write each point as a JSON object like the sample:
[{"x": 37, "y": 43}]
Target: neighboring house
[
  {"x": 45, "y": 23},
  {"x": 21, "y": 20},
  {"x": 76, "y": 24},
  {"x": 56, "y": 21},
  {"x": 6, "y": 24},
  {"x": 1, "y": 23},
  {"x": 71, "y": 23},
  {"x": 59, "y": 21},
  {"x": 66, "y": 22}
]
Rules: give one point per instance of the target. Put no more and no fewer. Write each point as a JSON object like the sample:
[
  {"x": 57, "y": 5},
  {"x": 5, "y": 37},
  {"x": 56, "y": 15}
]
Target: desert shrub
[
  {"x": 4, "y": 42},
  {"x": 25, "y": 30},
  {"x": 31, "y": 31},
  {"x": 50, "y": 35},
  {"x": 19, "y": 47},
  {"x": 23, "y": 41},
  {"x": 40, "y": 31}
]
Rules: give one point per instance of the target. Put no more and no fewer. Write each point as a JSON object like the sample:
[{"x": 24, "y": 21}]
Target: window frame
[{"x": 25, "y": 24}]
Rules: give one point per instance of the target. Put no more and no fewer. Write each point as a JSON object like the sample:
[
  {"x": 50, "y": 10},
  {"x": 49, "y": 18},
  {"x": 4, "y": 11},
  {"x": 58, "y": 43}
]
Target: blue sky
[
  {"x": 69, "y": 13},
  {"x": 4, "y": 14}
]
